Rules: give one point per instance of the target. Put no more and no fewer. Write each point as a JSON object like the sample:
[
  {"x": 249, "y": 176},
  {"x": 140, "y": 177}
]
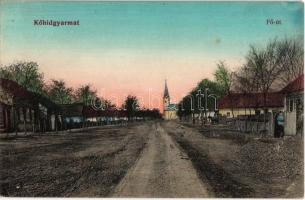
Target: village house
[
  {"x": 248, "y": 111},
  {"x": 22, "y": 110},
  {"x": 289, "y": 101},
  {"x": 237, "y": 104}
]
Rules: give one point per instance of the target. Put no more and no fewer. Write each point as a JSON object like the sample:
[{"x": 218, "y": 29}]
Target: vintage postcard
[{"x": 152, "y": 99}]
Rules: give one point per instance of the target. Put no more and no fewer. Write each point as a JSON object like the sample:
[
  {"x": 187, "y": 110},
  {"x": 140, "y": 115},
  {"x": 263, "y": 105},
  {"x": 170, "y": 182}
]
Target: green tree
[
  {"x": 223, "y": 77},
  {"x": 108, "y": 104},
  {"x": 103, "y": 104},
  {"x": 59, "y": 92},
  {"x": 224, "y": 80},
  {"x": 85, "y": 94},
  {"x": 194, "y": 102},
  {"x": 212, "y": 88},
  {"x": 131, "y": 105},
  {"x": 25, "y": 74},
  {"x": 186, "y": 107}
]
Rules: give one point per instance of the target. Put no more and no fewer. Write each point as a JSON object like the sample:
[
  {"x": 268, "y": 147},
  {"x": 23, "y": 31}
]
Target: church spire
[{"x": 166, "y": 93}]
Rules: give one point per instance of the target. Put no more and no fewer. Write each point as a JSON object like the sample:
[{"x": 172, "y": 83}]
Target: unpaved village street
[{"x": 163, "y": 170}]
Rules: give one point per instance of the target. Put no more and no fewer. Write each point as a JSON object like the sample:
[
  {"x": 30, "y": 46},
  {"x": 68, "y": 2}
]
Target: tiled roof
[
  {"x": 79, "y": 109},
  {"x": 13, "y": 88},
  {"x": 295, "y": 86},
  {"x": 254, "y": 100},
  {"x": 89, "y": 111},
  {"x": 72, "y": 110},
  {"x": 22, "y": 95}
]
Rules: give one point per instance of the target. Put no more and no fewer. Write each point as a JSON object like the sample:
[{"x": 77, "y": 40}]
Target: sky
[{"x": 123, "y": 48}]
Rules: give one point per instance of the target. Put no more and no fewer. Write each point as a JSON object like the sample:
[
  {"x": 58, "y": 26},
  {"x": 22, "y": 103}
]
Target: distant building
[
  {"x": 73, "y": 115},
  {"x": 169, "y": 109},
  {"x": 294, "y": 104},
  {"x": 77, "y": 115}
]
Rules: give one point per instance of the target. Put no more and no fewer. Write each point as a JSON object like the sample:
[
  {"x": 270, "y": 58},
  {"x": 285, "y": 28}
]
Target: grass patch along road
[
  {"x": 236, "y": 166},
  {"x": 88, "y": 163}
]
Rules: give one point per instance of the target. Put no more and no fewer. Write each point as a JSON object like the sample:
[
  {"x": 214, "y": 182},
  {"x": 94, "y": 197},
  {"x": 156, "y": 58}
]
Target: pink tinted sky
[{"x": 115, "y": 74}]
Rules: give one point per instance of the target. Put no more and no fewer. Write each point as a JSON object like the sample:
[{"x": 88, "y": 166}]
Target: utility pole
[
  {"x": 199, "y": 105},
  {"x": 206, "y": 103}
]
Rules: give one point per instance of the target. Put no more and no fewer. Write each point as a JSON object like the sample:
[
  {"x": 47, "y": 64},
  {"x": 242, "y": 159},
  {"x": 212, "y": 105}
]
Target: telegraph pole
[
  {"x": 199, "y": 105},
  {"x": 206, "y": 103}
]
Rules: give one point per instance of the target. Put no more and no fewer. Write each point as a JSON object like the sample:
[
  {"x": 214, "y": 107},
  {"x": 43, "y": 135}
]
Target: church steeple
[
  {"x": 166, "y": 98},
  {"x": 166, "y": 93},
  {"x": 169, "y": 109}
]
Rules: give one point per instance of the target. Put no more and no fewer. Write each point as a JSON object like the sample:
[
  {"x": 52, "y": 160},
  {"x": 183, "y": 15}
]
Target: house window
[
  {"x": 299, "y": 105},
  {"x": 290, "y": 105}
]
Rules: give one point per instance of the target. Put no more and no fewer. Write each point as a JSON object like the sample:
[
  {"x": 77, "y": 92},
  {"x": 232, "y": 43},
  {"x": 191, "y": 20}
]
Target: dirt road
[{"x": 162, "y": 170}]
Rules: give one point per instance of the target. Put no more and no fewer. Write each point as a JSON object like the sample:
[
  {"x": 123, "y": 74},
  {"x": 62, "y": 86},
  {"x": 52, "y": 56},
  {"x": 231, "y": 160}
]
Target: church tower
[
  {"x": 166, "y": 98},
  {"x": 169, "y": 109}
]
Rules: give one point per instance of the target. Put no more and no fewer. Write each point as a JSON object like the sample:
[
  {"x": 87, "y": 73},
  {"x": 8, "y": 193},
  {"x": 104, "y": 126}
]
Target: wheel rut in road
[{"x": 162, "y": 170}]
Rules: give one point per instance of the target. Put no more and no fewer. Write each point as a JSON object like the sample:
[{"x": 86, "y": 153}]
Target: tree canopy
[
  {"x": 131, "y": 105},
  {"x": 223, "y": 77},
  {"x": 59, "y": 92},
  {"x": 25, "y": 74},
  {"x": 85, "y": 94}
]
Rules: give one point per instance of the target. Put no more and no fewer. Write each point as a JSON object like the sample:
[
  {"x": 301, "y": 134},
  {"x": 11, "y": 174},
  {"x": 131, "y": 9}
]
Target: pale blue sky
[{"x": 194, "y": 27}]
